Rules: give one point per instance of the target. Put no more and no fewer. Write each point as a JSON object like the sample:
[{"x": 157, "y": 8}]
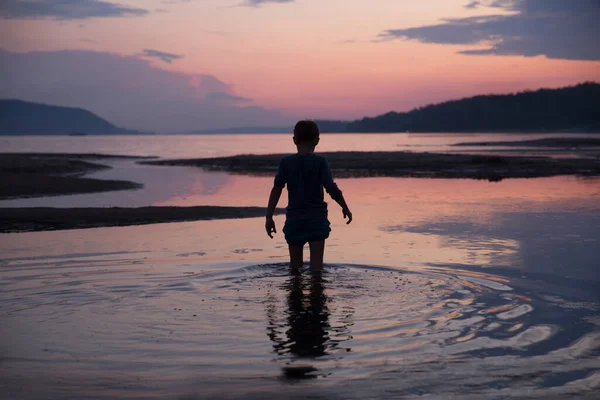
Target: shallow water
[
  {"x": 118, "y": 325},
  {"x": 439, "y": 287}
]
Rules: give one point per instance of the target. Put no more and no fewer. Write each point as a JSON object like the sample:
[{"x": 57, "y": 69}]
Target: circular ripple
[{"x": 354, "y": 316}]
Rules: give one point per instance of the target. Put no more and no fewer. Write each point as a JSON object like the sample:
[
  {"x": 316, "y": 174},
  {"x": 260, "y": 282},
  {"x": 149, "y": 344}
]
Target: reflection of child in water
[
  {"x": 307, "y": 320},
  {"x": 305, "y": 174}
]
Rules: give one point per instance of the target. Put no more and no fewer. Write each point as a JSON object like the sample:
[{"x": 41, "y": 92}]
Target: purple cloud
[
  {"x": 227, "y": 97},
  {"x": 258, "y": 3},
  {"x": 161, "y": 55},
  {"x": 557, "y": 29},
  {"x": 129, "y": 91},
  {"x": 65, "y": 9}
]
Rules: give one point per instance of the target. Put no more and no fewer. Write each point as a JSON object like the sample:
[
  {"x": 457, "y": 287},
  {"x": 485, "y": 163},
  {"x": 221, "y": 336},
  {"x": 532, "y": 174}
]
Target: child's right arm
[
  {"x": 278, "y": 185},
  {"x": 273, "y": 200},
  {"x": 345, "y": 210}
]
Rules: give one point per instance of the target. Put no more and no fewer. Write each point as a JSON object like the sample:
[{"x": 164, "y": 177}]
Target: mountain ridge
[
  {"x": 562, "y": 109},
  {"x": 571, "y": 108}
]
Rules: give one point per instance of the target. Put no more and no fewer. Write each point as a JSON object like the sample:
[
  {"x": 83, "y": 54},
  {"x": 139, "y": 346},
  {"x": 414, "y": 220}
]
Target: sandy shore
[
  {"x": 45, "y": 219},
  {"x": 37, "y": 174},
  {"x": 408, "y": 164}
]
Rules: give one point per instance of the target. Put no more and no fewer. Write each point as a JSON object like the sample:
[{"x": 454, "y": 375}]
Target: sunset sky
[{"x": 184, "y": 65}]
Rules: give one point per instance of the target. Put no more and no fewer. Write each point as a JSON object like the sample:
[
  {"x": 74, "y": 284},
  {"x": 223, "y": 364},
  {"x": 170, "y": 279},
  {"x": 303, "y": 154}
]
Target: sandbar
[
  {"x": 46, "y": 219},
  {"x": 408, "y": 164},
  {"x": 48, "y": 174}
]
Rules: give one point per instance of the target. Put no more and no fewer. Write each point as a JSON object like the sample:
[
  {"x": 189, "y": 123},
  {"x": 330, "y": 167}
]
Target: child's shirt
[{"x": 306, "y": 175}]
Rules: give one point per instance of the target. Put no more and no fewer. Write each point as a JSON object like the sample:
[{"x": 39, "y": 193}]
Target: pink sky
[{"x": 283, "y": 60}]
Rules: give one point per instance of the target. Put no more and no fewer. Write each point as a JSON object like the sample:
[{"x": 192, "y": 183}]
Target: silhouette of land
[
  {"x": 407, "y": 164},
  {"x": 572, "y": 108},
  {"x": 568, "y": 109},
  {"x": 25, "y": 118},
  {"x": 44, "y": 219},
  {"x": 565, "y": 142}
]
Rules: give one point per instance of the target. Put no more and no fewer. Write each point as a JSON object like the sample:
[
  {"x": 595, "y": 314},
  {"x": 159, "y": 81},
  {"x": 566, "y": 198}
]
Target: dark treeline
[{"x": 575, "y": 108}]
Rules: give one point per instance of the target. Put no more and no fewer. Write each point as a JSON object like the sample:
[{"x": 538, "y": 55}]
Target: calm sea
[{"x": 440, "y": 287}]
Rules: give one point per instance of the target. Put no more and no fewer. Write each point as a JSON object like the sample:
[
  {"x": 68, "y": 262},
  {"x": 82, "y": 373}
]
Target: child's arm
[
  {"x": 342, "y": 202},
  {"x": 334, "y": 191},
  {"x": 278, "y": 185},
  {"x": 273, "y": 200}
]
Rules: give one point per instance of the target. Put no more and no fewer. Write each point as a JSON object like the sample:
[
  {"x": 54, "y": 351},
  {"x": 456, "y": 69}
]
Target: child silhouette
[{"x": 305, "y": 174}]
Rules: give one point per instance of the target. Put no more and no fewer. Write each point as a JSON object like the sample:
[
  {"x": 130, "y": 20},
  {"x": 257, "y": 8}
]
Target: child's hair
[{"x": 306, "y": 131}]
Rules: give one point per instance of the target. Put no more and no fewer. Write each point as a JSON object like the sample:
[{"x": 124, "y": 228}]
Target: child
[{"x": 306, "y": 174}]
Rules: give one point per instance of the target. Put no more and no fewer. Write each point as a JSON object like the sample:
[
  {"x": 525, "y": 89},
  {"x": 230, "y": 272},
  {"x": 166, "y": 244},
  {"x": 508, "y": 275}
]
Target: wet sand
[
  {"x": 48, "y": 219},
  {"x": 408, "y": 164},
  {"x": 45, "y": 174}
]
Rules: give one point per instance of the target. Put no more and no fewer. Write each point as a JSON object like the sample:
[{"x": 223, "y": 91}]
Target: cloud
[
  {"x": 227, "y": 97},
  {"x": 166, "y": 57},
  {"x": 65, "y": 9},
  {"x": 129, "y": 91},
  {"x": 558, "y": 29},
  {"x": 473, "y": 4},
  {"x": 258, "y": 3}
]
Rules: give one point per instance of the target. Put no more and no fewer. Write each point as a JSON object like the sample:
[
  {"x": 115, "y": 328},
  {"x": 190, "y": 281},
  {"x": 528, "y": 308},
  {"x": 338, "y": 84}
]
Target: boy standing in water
[{"x": 305, "y": 174}]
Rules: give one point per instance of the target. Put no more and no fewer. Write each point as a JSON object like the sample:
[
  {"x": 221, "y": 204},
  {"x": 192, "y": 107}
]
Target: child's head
[{"x": 306, "y": 132}]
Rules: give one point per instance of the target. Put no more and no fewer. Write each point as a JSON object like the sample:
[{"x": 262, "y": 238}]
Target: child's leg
[
  {"x": 296, "y": 257},
  {"x": 317, "y": 248}
]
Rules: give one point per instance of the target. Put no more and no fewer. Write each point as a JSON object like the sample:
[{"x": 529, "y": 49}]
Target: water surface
[{"x": 439, "y": 287}]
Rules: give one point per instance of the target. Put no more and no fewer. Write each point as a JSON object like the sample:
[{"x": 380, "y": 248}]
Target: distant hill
[
  {"x": 574, "y": 108},
  {"x": 24, "y": 118}
]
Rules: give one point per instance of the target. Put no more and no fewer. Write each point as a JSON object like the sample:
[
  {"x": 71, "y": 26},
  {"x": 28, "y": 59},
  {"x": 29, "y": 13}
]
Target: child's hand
[
  {"x": 347, "y": 213},
  {"x": 270, "y": 227}
]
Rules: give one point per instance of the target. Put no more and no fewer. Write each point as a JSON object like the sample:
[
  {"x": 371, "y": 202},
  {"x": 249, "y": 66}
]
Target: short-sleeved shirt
[{"x": 305, "y": 176}]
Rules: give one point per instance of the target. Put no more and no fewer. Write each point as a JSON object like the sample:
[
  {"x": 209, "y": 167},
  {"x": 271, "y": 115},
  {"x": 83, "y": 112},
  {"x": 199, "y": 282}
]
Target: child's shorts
[{"x": 299, "y": 231}]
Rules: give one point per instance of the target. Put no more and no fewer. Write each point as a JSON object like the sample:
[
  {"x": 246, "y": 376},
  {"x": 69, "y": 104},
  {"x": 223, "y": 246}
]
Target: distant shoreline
[
  {"x": 561, "y": 110},
  {"x": 289, "y": 132},
  {"x": 561, "y": 142}
]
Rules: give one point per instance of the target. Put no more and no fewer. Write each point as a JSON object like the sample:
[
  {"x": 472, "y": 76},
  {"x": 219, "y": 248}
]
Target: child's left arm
[{"x": 273, "y": 200}]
